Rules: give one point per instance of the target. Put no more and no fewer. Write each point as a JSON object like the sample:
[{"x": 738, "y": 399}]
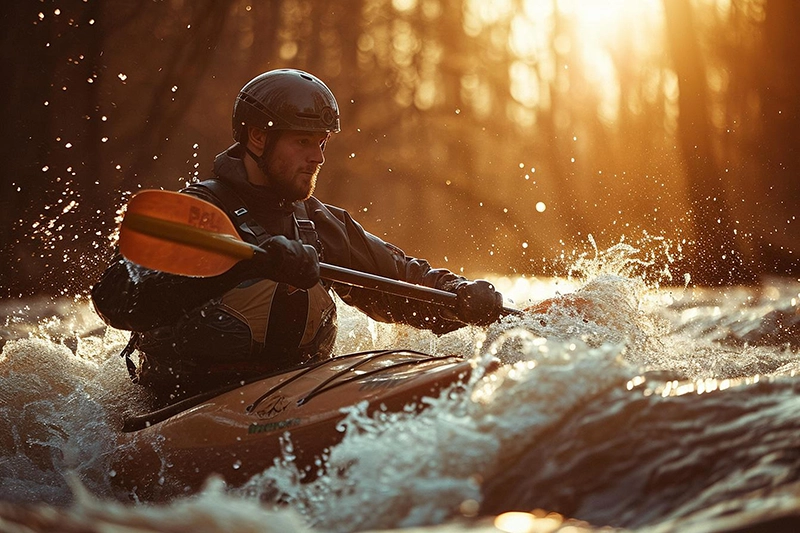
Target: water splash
[
  {"x": 558, "y": 384},
  {"x": 413, "y": 468},
  {"x": 63, "y": 401},
  {"x": 647, "y": 261}
]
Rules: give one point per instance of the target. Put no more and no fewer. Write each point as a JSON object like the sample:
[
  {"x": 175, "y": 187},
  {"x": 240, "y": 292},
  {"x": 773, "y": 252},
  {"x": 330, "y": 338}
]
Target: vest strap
[
  {"x": 247, "y": 225},
  {"x": 236, "y": 209}
]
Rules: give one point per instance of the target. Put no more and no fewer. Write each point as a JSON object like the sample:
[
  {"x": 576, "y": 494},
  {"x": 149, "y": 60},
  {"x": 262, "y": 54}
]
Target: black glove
[
  {"x": 288, "y": 261},
  {"x": 477, "y": 302}
]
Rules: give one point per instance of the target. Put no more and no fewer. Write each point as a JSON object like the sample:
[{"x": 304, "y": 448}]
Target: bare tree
[{"x": 714, "y": 257}]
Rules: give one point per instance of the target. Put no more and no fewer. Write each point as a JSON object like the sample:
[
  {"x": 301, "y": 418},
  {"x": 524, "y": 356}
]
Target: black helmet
[{"x": 285, "y": 99}]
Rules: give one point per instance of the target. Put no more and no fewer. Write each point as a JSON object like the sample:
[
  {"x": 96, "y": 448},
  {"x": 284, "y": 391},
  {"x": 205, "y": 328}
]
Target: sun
[
  {"x": 554, "y": 44},
  {"x": 559, "y": 46}
]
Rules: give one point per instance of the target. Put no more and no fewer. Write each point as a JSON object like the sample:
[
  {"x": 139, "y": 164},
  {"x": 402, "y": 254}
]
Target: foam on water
[
  {"x": 61, "y": 410},
  {"x": 562, "y": 375}
]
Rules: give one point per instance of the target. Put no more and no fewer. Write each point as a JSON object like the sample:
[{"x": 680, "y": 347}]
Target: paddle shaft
[
  {"x": 237, "y": 249},
  {"x": 391, "y": 286}
]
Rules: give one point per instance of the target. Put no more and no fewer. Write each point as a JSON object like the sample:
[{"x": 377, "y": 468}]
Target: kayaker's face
[{"x": 295, "y": 162}]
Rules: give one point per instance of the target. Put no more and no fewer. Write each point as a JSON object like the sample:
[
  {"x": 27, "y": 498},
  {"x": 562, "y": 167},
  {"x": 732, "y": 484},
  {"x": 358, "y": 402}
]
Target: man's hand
[
  {"x": 478, "y": 302},
  {"x": 289, "y": 261}
]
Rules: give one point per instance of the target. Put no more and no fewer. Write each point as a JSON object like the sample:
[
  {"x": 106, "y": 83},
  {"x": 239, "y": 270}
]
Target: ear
[{"x": 256, "y": 138}]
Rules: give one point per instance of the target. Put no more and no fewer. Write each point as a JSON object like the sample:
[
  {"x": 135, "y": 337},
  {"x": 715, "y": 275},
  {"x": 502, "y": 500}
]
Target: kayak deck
[{"x": 237, "y": 432}]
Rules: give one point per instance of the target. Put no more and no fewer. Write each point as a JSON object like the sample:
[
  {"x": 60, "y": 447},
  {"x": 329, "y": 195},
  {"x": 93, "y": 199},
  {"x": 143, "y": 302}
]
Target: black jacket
[{"x": 134, "y": 298}]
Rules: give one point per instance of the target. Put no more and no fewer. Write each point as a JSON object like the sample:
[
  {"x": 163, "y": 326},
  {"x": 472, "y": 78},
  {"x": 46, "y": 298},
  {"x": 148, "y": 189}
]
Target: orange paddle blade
[{"x": 180, "y": 234}]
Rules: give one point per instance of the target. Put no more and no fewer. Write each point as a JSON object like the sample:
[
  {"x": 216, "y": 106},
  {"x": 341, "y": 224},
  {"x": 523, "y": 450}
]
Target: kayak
[{"x": 238, "y": 433}]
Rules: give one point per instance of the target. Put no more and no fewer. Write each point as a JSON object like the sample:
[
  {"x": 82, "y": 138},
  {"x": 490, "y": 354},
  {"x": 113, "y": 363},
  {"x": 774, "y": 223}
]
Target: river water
[{"x": 657, "y": 406}]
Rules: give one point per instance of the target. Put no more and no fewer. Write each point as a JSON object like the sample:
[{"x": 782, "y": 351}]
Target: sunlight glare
[
  {"x": 524, "y": 84},
  {"x": 536, "y": 522},
  {"x": 598, "y": 36}
]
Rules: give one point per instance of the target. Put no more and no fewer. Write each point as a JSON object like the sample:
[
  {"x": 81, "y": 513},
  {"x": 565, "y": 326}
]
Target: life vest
[
  {"x": 257, "y": 327},
  {"x": 255, "y": 302}
]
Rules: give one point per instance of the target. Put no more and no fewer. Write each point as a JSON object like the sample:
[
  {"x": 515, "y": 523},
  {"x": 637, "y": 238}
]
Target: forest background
[{"x": 496, "y": 136}]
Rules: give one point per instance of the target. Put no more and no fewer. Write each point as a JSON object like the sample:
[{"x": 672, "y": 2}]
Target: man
[{"x": 272, "y": 312}]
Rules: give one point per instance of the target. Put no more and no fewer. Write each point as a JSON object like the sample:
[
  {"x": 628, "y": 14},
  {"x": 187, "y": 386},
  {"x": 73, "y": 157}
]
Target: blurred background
[{"x": 488, "y": 136}]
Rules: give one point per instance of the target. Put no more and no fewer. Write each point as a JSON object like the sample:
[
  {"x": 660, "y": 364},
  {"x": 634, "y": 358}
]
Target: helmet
[{"x": 285, "y": 99}]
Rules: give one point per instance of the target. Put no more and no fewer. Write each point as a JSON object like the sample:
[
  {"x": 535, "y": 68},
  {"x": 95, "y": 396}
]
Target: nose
[{"x": 317, "y": 155}]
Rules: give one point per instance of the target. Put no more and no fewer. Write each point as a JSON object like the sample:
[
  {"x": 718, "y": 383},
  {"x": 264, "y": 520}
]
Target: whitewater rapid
[{"x": 657, "y": 408}]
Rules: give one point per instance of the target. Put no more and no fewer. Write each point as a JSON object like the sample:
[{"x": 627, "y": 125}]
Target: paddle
[{"x": 181, "y": 234}]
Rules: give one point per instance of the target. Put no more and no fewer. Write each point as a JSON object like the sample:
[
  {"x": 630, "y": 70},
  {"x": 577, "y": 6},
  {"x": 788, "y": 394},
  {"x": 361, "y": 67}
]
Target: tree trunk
[
  {"x": 713, "y": 257},
  {"x": 779, "y": 94}
]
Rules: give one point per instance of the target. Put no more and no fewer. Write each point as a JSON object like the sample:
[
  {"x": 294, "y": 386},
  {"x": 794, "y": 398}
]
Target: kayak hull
[{"x": 238, "y": 433}]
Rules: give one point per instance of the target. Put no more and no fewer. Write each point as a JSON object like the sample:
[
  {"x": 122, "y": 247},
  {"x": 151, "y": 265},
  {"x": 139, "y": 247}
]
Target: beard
[{"x": 291, "y": 186}]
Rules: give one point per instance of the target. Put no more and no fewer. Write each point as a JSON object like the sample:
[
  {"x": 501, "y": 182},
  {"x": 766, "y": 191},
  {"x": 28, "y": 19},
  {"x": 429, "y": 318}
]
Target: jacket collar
[{"x": 229, "y": 167}]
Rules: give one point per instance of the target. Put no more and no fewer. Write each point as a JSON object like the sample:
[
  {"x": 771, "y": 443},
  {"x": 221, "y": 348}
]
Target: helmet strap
[
  {"x": 269, "y": 146},
  {"x": 259, "y": 159}
]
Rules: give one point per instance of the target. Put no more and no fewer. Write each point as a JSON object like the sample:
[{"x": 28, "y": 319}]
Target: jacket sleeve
[
  {"x": 131, "y": 297},
  {"x": 347, "y": 244},
  {"x": 135, "y": 298}
]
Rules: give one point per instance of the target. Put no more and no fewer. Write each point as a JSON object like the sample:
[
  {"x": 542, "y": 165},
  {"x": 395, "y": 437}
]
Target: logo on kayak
[{"x": 272, "y": 426}]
